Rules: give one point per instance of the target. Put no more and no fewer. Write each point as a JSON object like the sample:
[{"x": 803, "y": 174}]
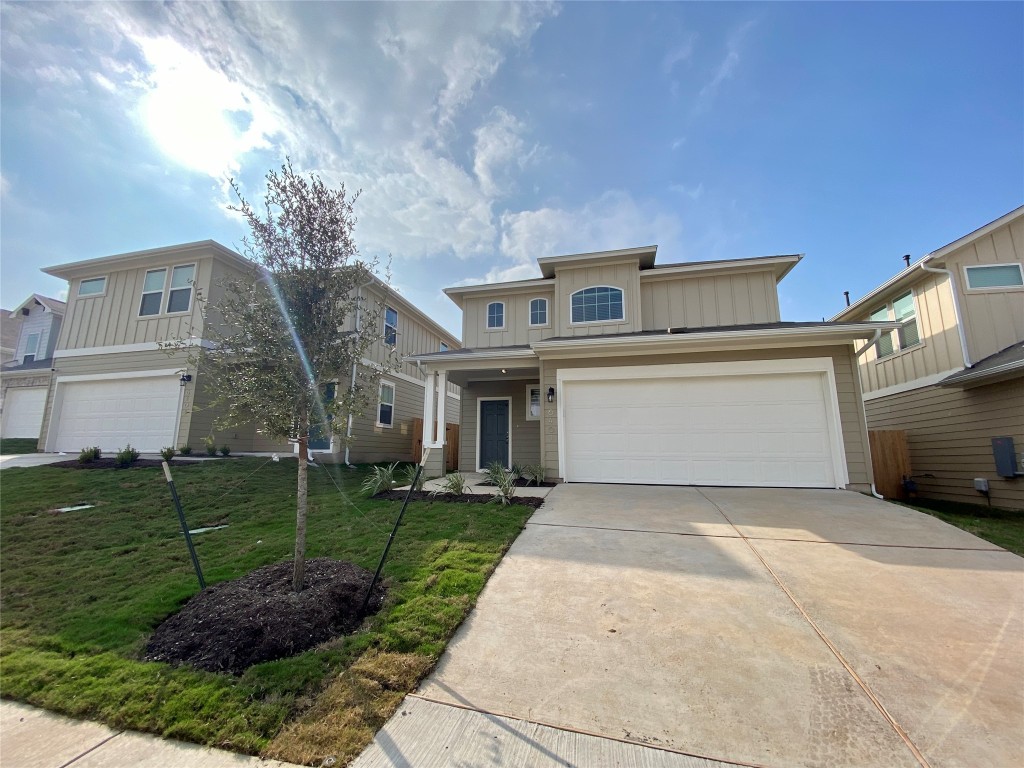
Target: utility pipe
[{"x": 956, "y": 308}]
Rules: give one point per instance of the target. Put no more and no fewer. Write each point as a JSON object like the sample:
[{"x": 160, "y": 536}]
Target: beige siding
[
  {"x": 113, "y": 318},
  {"x": 625, "y": 275},
  {"x": 993, "y": 319},
  {"x": 525, "y": 436},
  {"x": 517, "y": 330},
  {"x": 939, "y": 350},
  {"x": 950, "y": 434},
  {"x": 694, "y": 302},
  {"x": 372, "y": 443},
  {"x": 855, "y": 439}
]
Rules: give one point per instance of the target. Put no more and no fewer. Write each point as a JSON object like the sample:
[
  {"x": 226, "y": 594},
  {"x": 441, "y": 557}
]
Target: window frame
[
  {"x": 101, "y": 292},
  {"x": 621, "y": 319},
  {"x": 34, "y": 354},
  {"x": 547, "y": 312},
  {"x": 896, "y": 335},
  {"x": 145, "y": 293},
  {"x": 530, "y": 388},
  {"x": 169, "y": 290},
  {"x": 394, "y": 328},
  {"x": 988, "y": 289},
  {"x": 487, "y": 316},
  {"x": 380, "y": 402}
]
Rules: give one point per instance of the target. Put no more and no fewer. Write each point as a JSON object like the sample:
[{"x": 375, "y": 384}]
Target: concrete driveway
[{"x": 635, "y": 625}]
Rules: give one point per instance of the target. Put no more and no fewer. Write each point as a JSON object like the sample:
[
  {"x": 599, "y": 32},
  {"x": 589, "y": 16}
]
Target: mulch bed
[
  {"x": 522, "y": 482},
  {"x": 232, "y": 625},
  {"x": 465, "y": 498},
  {"x": 109, "y": 464}
]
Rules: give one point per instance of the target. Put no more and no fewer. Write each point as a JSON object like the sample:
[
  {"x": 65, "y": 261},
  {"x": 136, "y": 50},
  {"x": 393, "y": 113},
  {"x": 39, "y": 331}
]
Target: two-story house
[
  {"x": 113, "y": 384},
  {"x": 610, "y": 368},
  {"x": 25, "y": 379},
  {"x": 952, "y": 374}
]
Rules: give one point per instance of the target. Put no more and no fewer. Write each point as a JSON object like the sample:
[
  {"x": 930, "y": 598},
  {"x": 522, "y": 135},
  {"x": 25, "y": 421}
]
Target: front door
[
  {"x": 493, "y": 432},
  {"x": 320, "y": 433}
]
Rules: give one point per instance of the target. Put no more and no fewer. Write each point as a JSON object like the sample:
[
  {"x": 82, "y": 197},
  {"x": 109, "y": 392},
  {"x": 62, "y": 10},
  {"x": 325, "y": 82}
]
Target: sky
[{"x": 483, "y": 136}]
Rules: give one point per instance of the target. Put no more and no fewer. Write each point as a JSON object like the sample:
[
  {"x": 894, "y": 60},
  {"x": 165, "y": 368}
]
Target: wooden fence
[
  {"x": 451, "y": 439},
  {"x": 890, "y": 460}
]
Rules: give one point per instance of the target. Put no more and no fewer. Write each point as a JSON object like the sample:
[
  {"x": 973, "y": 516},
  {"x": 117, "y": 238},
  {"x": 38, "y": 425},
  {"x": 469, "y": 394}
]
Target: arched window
[
  {"x": 599, "y": 304},
  {"x": 538, "y": 311},
  {"x": 496, "y": 314}
]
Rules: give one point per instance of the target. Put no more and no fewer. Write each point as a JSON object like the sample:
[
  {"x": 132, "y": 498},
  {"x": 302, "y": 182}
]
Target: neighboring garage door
[
  {"x": 113, "y": 413},
  {"x": 750, "y": 429},
  {"x": 23, "y": 411}
]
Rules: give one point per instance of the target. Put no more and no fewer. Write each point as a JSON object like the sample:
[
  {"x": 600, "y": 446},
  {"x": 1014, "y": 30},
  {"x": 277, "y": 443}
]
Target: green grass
[
  {"x": 1002, "y": 527},
  {"x": 82, "y": 591},
  {"x": 15, "y": 445}
]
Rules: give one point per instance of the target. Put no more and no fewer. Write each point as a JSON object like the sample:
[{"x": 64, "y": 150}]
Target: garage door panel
[
  {"x": 112, "y": 413},
  {"x": 756, "y": 429}
]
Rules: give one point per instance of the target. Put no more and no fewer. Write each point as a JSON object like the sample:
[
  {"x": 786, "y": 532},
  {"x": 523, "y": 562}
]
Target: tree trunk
[{"x": 299, "y": 571}]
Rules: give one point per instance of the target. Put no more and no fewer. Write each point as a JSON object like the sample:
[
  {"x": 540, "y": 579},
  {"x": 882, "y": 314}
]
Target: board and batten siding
[
  {"x": 950, "y": 433},
  {"x": 993, "y": 318},
  {"x": 676, "y": 301},
  {"x": 625, "y": 275},
  {"x": 517, "y": 330},
  {"x": 851, "y": 414},
  {"x": 939, "y": 350},
  {"x": 525, "y": 435}
]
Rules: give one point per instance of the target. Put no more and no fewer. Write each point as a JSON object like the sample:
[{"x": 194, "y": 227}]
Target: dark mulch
[
  {"x": 465, "y": 498},
  {"x": 108, "y": 464},
  {"x": 522, "y": 482},
  {"x": 232, "y": 625}
]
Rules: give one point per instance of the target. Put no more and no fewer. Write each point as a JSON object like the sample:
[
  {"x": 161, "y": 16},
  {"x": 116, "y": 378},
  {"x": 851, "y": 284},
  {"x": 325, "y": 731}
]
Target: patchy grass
[
  {"x": 82, "y": 591},
  {"x": 1002, "y": 527},
  {"x": 10, "y": 446}
]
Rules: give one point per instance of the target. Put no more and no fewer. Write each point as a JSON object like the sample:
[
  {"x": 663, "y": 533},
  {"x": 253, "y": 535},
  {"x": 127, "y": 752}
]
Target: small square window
[
  {"x": 538, "y": 312},
  {"x": 496, "y": 315},
  {"x": 390, "y": 326},
  {"x": 386, "y": 405},
  {"x": 94, "y": 286},
  {"x": 444, "y": 347}
]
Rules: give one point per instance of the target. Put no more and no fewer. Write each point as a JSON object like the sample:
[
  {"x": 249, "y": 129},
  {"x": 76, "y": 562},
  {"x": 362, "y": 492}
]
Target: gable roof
[
  {"x": 912, "y": 273},
  {"x": 56, "y": 306},
  {"x": 74, "y": 269},
  {"x": 10, "y": 328}
]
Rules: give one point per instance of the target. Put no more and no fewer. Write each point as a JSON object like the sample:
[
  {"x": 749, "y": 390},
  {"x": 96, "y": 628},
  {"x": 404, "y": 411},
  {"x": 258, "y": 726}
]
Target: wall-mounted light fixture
[
  {"x": 551, "y": 394},
  {"x": 185, "y": 379}
]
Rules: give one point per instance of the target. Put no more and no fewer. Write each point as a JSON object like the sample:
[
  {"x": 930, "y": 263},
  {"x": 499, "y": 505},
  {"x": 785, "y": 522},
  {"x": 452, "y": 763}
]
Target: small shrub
[
  {"x": 185, "y": 450},
  {"x": 225, "y": 450},
  {"x": 505, "y": 487},
  {"x": 454, "y": 484},
  {"x": 89, "y": 454},
  {"x": 535, "y": 473},
  {"x": 211, "y": 446},
  {"x": 408, "y": 477},
  {"x": 167, "y": 453},
  {"x": 126, "y": 456},
  {"x": 494, "y": 472},
  {"x": 380, "y": 479},
  {"x": 518, "y": 470}
]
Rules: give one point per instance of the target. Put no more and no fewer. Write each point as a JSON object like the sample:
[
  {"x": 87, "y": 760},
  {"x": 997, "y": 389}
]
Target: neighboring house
[
  {"x": 952, "y": 374},
  {"x": 113, "y": 385},
  {"x": 25, "y": 380},
  {"x": 10, "y": 329},
  {"x": 612, "y": 369}
]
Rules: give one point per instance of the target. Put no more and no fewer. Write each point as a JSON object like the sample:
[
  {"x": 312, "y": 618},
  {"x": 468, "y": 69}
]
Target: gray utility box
[{"x": 1005, "y": 456}]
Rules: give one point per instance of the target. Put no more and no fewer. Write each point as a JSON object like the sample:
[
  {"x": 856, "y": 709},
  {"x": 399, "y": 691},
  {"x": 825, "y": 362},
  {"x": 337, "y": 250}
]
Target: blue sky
[{"x": 484, "y": 136}]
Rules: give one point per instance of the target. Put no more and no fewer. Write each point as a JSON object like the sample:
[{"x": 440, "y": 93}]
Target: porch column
[
  {"x": 429, "y": 393},
  {"x": 442, "y": 397}
]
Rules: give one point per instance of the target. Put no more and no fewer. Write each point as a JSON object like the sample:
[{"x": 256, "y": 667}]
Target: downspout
[
  {"x": 355, "y": 370},
  {"x": 858, "y": 353},
  {"x": 956, "y": 308}
]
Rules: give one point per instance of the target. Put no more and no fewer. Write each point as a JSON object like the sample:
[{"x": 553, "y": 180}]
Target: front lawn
[
  {"x": 1002, "y": 527},
  {"x": 10, "y": 446},
  {"x": 81, "y": 592}
]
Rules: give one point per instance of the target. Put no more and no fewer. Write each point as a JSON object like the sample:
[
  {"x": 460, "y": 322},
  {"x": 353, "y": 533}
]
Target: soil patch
[
  {"x": 466, "y": 498},
  {"x": 112, "y": 464},
  {"x": 232, "y": 625}
]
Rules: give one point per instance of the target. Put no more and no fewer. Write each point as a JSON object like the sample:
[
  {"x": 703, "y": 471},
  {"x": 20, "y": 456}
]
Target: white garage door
[
  {"x": 23, "y": 411},
  {"x": 770, "y": 429},
  {"x": 113, "y": 413}
]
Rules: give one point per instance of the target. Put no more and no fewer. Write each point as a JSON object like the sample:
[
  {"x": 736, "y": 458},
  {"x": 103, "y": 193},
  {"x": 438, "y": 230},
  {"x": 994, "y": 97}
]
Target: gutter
[
  {"x": 985, "y": 373},
  {"x": 866, "y": 347},
  {"x": 496, "y": 354},
  {"x": 956, "y": 306}
]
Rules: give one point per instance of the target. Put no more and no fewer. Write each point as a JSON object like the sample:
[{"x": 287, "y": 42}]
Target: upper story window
[
  {"x": 444, "y": 347},
  {"x": 599, "y": 304},
  {"x": 31, "y": 348},
  {"x": 179, "y": 297},
  {"x": 390, "y": 326},
  {"x": 94, "y": 286},
  {"x": 907, "y": 335},
  {"x": 153, "y": 292},
  {"x": 538, "y": 311},
  {"x": 994, "y": 276},
  {"x": 496, "y": 315}
]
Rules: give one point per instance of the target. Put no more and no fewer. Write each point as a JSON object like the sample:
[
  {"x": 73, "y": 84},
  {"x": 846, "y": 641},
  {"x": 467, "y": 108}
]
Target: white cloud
[
  {"x": 680, "y": 53},
  {"x": 727, "y": 67},
  {"x": 498, "y": 151},
  {"x": 694, "y": 193}
]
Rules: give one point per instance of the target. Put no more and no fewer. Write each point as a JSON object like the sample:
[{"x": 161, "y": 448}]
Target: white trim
[
  {"x": 394, "y": 396},
  {"x": 399, "y": 375},
  {"x": 497, "y": 353},
  {"x": 547, "y": 312},
  {"x": 145, "y": 293},
  {"x": 429, "y": 396},
  {"x": 921, "y": 383},
  {"x": 819, "y": 365},
  {"x": 540, "y": 400},
  {"x": 479, "y": 421},
  {"x": 121, "y": 375},
  {"x": 609, "y": 321},
  {"x": 487, "y": 317},
  {"x": 80, "y": 295},
  {"x": 144, "y": 346},
  {"x": 440, "y": 432},
  {"x": 191, "y": 289},
  {"x": 968, "y": 288}
]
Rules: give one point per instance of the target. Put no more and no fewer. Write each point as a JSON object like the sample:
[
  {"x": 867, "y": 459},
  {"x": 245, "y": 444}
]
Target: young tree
[{"x": 286, "y": 329}]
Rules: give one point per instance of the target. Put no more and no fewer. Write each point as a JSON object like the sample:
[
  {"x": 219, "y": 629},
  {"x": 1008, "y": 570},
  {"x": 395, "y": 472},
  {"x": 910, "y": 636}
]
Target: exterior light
[
  {"x": 551, "y": 394},
  {"x": 185, "y": 378}
]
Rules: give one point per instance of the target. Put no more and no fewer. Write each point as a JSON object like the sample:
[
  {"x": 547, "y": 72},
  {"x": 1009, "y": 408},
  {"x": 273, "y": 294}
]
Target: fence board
[
  {"x": 451, "y": 438},
  {"x": 890, "y": 460}
]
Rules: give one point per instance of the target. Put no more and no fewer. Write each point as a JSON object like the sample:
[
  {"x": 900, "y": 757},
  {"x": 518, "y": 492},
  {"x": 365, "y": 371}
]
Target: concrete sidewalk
[{"x": 34, "y": 738}]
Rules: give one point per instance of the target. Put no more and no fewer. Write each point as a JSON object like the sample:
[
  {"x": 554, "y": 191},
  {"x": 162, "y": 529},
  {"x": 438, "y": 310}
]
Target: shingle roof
[{"x": 1006, "y": 360}]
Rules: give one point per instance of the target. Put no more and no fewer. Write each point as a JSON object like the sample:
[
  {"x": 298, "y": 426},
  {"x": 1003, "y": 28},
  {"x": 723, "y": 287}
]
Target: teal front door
[
  {"x": 493, "y": 432},
  {"x": 320, "y": 433}
]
